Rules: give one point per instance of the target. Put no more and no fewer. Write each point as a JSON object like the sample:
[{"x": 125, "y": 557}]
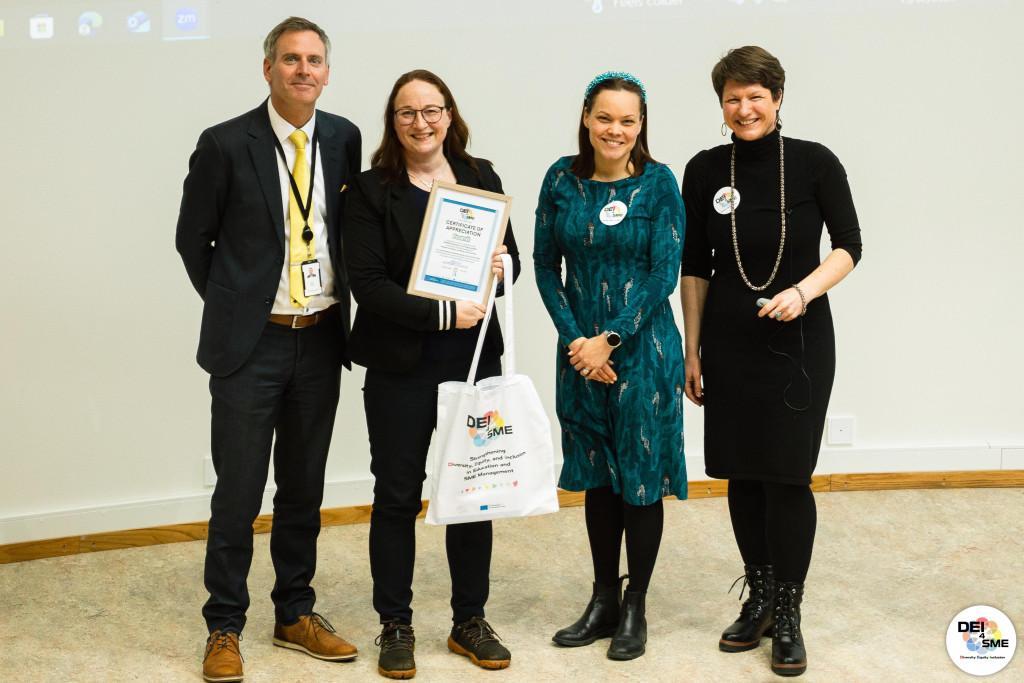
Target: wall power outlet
[{"x": 840, "y": 431}]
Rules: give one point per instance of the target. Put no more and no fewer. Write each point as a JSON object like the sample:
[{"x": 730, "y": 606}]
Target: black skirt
[{"x": 766, "y": 390}]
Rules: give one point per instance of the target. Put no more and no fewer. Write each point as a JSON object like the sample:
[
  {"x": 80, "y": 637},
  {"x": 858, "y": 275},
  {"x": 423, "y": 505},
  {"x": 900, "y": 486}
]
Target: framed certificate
[{"x": 461, "y": 229}]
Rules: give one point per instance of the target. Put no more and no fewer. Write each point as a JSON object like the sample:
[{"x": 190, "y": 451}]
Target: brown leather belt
[{"x": 297, "y": 322}]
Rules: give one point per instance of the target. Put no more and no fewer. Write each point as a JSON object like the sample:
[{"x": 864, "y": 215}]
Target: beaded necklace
[{"x": 782, "y": 214}]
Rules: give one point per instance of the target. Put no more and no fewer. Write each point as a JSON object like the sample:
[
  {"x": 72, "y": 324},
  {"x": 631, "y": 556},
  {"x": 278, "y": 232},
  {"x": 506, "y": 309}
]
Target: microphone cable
[{"x": 797, "y": 365}]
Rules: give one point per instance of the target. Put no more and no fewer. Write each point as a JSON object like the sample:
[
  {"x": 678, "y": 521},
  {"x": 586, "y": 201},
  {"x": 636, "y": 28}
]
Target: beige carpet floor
[{"x": 890, "y": 570}]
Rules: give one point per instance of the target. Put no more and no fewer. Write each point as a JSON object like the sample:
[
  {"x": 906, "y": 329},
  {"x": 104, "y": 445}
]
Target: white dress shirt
[{"x": 317, "y": 215}]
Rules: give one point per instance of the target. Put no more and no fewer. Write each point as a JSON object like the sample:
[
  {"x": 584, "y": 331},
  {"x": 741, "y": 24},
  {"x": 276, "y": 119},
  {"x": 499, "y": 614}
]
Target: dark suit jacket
[
  {"x": 231, "y": 228},
  {"x": 382, "y": 229}
]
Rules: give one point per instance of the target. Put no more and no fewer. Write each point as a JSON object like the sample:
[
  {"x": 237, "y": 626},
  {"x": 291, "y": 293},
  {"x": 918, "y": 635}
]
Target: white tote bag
[{"x": 492, "y": 452}]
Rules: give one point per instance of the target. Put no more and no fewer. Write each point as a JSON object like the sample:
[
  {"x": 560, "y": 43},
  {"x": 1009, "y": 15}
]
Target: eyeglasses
[{"x": 431, "y": 114}]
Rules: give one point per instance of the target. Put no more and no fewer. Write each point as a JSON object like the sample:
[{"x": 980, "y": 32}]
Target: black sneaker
[
  {"x": 478, "y": 641},
  {"x": 397, "y": 643}
]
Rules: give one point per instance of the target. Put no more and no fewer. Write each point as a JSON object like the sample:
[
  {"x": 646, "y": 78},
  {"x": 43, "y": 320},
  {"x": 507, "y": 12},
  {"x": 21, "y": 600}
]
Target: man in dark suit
[{"x": 259, "y": 233}]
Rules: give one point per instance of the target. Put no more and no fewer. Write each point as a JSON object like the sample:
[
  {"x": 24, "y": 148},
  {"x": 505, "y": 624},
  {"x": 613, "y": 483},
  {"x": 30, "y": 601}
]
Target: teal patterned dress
[{"x": 627, "y": 435}]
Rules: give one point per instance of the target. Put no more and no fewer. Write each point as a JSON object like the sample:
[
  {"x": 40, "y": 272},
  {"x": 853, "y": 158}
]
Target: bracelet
[{"x": 803, "y": 299}]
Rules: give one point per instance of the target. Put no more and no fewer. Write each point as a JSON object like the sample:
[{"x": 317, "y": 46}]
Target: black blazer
[
  {"x": 382, "y": 229},
  {"x": 231, "y": 228}
]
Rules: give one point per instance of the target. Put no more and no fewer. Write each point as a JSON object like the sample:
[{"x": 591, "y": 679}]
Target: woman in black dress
[
  {"x": 409, "y": 345},
  {"x": 760, "y": 349}
]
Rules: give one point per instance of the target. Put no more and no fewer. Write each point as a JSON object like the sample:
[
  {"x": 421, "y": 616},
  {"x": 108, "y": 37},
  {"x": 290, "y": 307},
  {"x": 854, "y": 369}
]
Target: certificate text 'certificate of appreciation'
[{"x": 461, "y": 229}]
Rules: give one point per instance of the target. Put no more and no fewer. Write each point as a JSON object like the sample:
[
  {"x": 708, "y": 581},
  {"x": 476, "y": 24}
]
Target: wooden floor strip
[{"x": 360, "y": 514}]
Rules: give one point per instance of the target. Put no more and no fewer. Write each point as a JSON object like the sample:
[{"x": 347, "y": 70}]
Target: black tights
[
  {"x": 607, "y": 517},
  {"x": 774, "y": 524}
]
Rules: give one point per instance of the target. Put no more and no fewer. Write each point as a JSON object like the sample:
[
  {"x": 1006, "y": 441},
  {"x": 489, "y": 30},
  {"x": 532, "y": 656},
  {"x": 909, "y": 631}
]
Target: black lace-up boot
[
  {"x": 600, "y": 619},
  {"x": 789, "y": 658},
  {"x": 397, "y": 644},
  {"x": 755, "y": 620}
]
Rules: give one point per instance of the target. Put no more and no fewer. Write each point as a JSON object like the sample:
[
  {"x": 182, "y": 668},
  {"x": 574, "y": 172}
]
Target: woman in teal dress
[{"x": 615, "y": 217}]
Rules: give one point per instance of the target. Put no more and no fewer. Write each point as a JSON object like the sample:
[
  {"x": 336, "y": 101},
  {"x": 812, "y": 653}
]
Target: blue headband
[{"x": 609, "y": 75}]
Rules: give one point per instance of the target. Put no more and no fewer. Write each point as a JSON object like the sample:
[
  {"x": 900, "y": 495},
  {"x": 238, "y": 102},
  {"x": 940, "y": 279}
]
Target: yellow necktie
[{"x": 299, "y": 251}]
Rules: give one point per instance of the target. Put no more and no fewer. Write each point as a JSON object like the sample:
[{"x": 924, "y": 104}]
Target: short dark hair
[
  {"x": 389, "y": 155},
  {"x": 749, "y": 65},
  {"x": 294, "y": 24},
  {"x": 583, "y": 164}
]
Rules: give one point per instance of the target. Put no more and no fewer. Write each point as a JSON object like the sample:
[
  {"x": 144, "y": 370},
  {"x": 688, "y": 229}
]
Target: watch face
[{"x": 613, "y": 339}]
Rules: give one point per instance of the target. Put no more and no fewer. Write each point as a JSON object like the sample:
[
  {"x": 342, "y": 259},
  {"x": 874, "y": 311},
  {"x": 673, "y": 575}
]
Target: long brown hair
[
  {"x": 583, "y": 164},
  {"x": 389, "y": 156}
]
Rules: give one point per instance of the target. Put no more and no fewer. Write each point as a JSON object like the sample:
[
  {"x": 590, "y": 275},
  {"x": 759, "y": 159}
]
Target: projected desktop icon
[
  {"x": 139, "y": 22},
  {"x": 40, "y": 27},
  {"x": 89, "y": 23},
  {"x": 186, "y": 19},
  {"x": 183, "y": 21}
]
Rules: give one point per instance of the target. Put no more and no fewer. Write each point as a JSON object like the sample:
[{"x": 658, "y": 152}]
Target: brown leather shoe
[
  {"x": 222, "y": 662},
  {"x": 315, "y": 636}
]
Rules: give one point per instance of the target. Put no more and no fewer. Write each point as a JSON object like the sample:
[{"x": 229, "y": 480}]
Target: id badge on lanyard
[
  {"x": 312, "y": 279},
  {"x": 312, "y": 274}
]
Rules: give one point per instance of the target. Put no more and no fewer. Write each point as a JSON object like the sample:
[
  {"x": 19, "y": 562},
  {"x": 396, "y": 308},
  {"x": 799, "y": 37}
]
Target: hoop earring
[{"x": 724, "y": 128}]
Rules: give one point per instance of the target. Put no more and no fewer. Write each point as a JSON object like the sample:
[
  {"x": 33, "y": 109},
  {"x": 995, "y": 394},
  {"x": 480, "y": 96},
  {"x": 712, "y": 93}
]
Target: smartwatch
[{"x": 613, "y": 339}]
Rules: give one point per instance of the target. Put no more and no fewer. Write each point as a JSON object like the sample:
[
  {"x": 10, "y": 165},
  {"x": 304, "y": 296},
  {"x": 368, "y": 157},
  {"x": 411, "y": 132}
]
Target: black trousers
[
  {"x": 401, "y": 412},
  {"x": 774, "y": 524},
  {"x": 288, "y": 389}
]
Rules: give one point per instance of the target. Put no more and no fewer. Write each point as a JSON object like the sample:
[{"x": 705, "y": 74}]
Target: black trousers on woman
[
  {"x": 774, "y": 524},
  {"x": 401, "y": 412}
]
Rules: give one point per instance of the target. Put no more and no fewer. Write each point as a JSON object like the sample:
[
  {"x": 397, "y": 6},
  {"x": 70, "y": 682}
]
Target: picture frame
[{"x": 461, "y": 229}]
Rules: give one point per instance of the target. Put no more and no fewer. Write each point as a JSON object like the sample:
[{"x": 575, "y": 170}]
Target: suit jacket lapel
[
  {"x": 331, "y": 159},
  {"x": 405, "y": 216},
  {"x": 264, "y": 161},
  {"x": 464, "y": 175}
]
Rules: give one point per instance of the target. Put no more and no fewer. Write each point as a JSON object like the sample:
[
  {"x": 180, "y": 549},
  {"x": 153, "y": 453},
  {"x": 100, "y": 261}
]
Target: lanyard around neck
[{"x": 307, "y": 207}]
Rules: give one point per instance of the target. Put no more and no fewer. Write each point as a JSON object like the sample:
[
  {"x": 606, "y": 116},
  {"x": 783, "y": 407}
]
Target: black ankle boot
[
  {"x": 599, "y": 620},
  {"x": 789, "y": 658},
  {"x": 631, "y": 636},
  {"x": 755, "y": 618}
]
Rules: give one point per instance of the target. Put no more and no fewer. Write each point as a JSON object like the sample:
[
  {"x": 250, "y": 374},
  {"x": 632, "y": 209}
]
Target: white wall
[{"x": 105, "y": 415}]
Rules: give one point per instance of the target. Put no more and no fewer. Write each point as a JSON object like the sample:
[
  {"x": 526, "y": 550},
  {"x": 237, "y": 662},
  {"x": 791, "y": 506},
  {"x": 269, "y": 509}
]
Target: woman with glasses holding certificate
[
  {"x": 409, "y": 345},
  {"x": 615, "y": 217}
]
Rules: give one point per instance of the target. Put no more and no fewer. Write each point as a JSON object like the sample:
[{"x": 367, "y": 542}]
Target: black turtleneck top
[{"x": 816, "y": 191}]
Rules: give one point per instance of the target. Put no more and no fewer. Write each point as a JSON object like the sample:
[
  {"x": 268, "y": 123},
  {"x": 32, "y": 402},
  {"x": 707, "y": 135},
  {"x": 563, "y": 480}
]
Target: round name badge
[
  {"x": 613, "y": 213},
  {"x": 722, "y": 198}
]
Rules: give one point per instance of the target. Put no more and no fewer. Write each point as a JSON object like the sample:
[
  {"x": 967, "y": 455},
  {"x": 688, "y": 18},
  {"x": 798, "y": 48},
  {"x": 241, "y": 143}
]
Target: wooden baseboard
[
  {"x": 927, "y": 480},
  {"x": 360, "y": 514}
]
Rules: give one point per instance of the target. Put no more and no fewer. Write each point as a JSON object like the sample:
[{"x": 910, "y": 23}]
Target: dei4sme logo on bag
[{"x": 483, "y": 430}]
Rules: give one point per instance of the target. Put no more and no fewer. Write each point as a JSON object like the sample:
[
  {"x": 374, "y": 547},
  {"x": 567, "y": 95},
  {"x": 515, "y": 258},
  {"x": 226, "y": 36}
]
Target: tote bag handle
[{"x": 510, "y": 336}]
